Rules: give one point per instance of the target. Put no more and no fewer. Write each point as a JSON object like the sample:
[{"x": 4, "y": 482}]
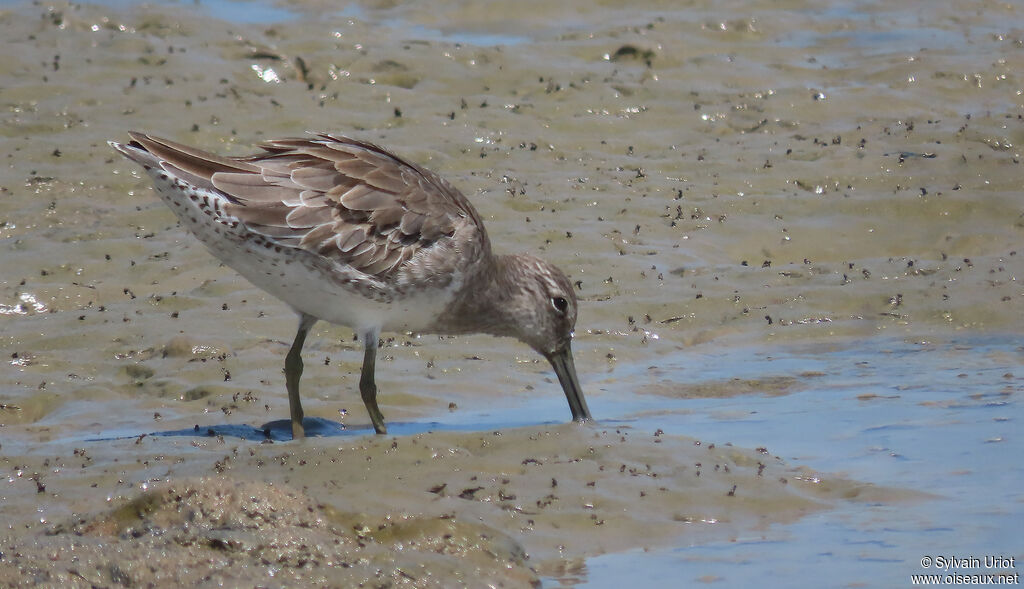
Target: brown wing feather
[{"x": 337, "y": 197}]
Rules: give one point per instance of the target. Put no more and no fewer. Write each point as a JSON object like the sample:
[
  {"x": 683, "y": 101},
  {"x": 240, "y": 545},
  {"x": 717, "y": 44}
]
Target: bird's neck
[{"x": 482, "y": 308}]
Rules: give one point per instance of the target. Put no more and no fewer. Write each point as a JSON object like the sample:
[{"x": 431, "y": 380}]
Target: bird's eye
[{"x": 560, "y": 304}]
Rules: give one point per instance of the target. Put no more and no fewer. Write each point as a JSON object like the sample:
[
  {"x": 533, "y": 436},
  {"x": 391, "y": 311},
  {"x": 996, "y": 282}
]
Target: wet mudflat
[
  {"x": 439, "y": 509},
  {"x": 794, "y": 230}
]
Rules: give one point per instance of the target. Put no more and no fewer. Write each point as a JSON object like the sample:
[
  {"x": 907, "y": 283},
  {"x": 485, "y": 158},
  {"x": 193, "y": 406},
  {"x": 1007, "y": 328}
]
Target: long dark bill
[{"x": 564, "y": 367}]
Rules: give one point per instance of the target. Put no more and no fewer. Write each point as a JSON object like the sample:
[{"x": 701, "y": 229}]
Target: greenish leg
[
  {"x": 293, "y": 372},
  {"x": 367, "y": 386}
]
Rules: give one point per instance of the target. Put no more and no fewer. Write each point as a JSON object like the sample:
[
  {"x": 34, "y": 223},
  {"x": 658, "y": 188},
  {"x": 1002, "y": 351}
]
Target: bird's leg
[
  {"x": 367, "y": 386},
  {"x": 293, "y": 372}
]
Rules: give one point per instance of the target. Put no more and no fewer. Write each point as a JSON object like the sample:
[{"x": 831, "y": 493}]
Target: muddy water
[{"x": 794, "y": 226}]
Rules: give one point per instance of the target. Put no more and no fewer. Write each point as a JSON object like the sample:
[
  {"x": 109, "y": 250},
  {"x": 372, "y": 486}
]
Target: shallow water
[
  {"x": 934, "y": 416},
  {"x": 795, "y": 226}
]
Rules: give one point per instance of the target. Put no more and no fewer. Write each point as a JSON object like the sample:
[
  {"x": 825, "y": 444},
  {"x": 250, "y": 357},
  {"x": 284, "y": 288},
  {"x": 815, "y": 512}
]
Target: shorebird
[{"x": 345, "y": 231}]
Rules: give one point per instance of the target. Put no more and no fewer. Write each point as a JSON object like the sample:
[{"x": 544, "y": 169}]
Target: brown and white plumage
[{"x": 342, "y": 230}]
